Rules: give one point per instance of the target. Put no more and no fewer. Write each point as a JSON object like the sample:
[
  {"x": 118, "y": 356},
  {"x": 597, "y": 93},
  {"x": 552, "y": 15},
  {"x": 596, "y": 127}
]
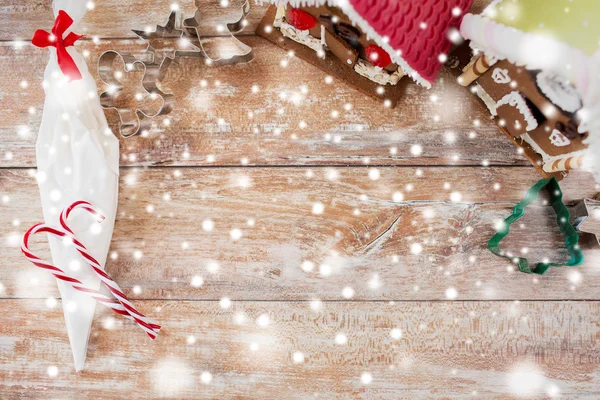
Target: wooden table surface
[{"x": 389, "y": 293}]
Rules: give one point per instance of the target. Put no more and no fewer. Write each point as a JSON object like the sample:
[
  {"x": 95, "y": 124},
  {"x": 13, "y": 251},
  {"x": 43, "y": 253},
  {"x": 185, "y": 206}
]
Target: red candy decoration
[
  {"x": 300, "y": 19},
  {"x": 377, "y": 56}
]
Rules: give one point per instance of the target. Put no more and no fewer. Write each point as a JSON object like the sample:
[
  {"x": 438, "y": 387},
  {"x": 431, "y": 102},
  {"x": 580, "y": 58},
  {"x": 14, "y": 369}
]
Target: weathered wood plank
[
  {"x": 483, "y": 350},
  {"x": 211, "y": 125},
  {"x": 414, "y": 249},
  {"x": 115, "y": 19}
]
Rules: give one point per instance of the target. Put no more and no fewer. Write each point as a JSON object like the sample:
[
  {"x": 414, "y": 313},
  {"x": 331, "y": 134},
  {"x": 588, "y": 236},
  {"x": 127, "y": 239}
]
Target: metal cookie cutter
[
  {"x": 242, "y": 54},
  {"x": 562, "y": 218},
  {"x": 135, "y": 121},
  {"x": 189, "y": 44},
  {"x": 183, "y": 47},
  {"x": 587, "y": 217}
]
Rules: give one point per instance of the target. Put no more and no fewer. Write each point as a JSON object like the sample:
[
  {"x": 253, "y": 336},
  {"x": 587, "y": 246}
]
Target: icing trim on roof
[
  {"x": 503, "y": 42},
  {"x": 522, "y": 48}
]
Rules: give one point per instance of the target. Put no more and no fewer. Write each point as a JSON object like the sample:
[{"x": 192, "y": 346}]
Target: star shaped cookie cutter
[{"x": 135, "y": 121}]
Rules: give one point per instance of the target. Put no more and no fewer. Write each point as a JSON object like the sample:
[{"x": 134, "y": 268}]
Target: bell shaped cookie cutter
[{"x": 135, "y": 121}]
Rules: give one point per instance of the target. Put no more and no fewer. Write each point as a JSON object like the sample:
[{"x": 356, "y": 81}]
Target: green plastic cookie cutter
[{"x": 562, "y": 218}]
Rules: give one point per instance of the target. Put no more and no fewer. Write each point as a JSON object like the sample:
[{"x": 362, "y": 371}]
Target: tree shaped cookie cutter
[
  {"x": 135, "y": 121},
  {"x": 562, "y": 218}
]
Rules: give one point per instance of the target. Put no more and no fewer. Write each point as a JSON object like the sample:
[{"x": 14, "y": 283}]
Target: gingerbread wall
[{"x": 526, "y": 107}]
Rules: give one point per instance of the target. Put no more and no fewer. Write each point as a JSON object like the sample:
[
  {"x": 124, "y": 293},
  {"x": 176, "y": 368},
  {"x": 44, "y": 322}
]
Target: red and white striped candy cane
[
  {"x": 151, "y": 328},
  {"x": 104, "y": 277},
  {"x": 113, "y": 304}
]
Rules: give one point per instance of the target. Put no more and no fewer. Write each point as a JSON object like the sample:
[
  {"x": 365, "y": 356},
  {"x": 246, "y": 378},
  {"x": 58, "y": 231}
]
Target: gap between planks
[
  {"x": 296, "y": 166},
  {"x": 111, "y": 39},
  {"x": 266, "y": 263},
  {"x": 191, "y": 300}
]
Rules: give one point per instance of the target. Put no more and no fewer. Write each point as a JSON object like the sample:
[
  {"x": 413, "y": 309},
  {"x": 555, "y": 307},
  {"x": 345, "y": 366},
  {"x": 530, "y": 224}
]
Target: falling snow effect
[{"x": 440, "y": 223}]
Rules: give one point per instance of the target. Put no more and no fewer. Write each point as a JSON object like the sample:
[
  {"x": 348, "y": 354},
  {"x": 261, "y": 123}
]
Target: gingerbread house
[
  {"x": 369, "y": 44},
  {"x": 531, "y": 74}
]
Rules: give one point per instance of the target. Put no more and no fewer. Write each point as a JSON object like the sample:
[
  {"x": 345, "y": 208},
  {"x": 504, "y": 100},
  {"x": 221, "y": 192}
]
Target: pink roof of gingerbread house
[{"x": 413, "y": 32}]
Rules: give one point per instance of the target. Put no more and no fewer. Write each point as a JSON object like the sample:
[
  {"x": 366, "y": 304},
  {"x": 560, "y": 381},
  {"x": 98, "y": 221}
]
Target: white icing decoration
[
  {"x": 515, "y": 99},
  {"x": 536, "y": 147},
  {"x": 558, "y": 139},
  {"x": 558, "y": 91},
  {"x": 545, "y": 156},
  {"x": 279, "y": 16},
  {"x": 507, "y": 42},
  {"x": 500, "y": 75},
  {"x": 378, "y": 74},
  {"x": 302, "y": 37},
  {"x": 487, "y": 99},
  {"x": 362, "y": 67}
]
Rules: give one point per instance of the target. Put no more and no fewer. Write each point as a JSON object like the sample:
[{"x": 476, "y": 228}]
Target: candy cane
[
  {"x": 117, "y": 306},
  {"x": 104, "y": 277}
]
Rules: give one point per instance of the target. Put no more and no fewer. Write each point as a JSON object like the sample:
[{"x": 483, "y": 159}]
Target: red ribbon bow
[{"x": 42, "y": 38}]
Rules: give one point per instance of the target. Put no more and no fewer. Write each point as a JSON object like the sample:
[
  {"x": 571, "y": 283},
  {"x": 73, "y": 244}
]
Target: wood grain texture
[
  {"x": 363, "y": 239},
  {"x": 214, "y": 120},
  {"x": 483, "y": 350},
  {"x": 115, "y": 19},
  {"x": 188, "y": 171}
]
